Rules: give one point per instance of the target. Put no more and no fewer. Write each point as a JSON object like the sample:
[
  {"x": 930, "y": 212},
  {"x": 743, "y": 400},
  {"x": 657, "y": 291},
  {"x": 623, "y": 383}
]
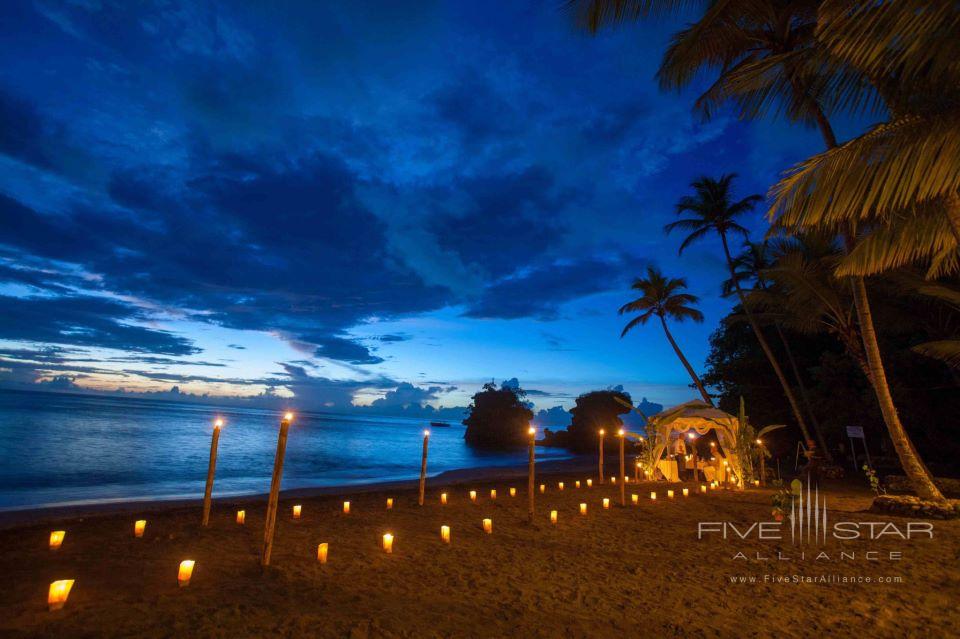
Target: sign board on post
[{"x": 856, "y": 432}]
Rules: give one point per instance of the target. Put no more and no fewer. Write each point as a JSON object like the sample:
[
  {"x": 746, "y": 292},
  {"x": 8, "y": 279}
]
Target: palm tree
[
  {"x": 808, "y": 58},
  {"x": 713, "y": 210},
  {"x": 662, "y": 296},
  {"x": 750, "y": 268}
]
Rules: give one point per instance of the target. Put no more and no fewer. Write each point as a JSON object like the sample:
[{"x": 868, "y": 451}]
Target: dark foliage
[
  {"x": 595, "y": 410},
  {"x": 498, "y": 419},
  {"x": 925, "y": 391}
]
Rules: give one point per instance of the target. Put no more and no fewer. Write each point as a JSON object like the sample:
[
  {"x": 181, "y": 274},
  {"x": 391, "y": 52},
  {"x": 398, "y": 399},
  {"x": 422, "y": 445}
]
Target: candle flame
[
  {"x": 288, "y": 417},
  {"x": 218, "y": 423}
]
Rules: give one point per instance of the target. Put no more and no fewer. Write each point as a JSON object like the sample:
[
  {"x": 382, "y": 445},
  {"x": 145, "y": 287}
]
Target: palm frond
[{"x": 947, "y": 351}]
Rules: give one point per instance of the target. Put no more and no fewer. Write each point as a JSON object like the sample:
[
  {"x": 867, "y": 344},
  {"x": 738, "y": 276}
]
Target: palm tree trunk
[
  {"x": 917, "y": 472},
  {"x": 794, "y": 406},
  {"x": 913, "y": 466},
  {"x": 803, "y": 395},
  {"x": 686, "y": 364}
]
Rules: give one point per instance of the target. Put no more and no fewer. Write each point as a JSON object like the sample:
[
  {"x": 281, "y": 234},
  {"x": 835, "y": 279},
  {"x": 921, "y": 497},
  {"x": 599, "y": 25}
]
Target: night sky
[{"x": 393, "y": 202}]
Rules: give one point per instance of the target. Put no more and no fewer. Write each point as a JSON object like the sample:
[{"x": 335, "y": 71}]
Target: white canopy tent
[{"x": 700, "y": 417}]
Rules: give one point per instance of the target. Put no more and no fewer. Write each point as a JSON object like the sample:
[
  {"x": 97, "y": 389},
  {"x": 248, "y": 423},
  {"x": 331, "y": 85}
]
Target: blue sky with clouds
[{"x": 347, "y": 202}]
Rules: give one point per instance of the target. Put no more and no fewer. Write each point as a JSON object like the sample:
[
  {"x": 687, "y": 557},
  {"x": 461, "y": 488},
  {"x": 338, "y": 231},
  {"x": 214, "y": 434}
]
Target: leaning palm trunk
[
  {"x": 803, "y": 395},
  {"x": 686, "y": 364},
  {"x": 913, "y": 466},
  {"x": 794, "y": 406}
]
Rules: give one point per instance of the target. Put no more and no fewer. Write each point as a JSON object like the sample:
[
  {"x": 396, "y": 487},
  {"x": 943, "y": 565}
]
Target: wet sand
[{"x": 623, "y": 572}]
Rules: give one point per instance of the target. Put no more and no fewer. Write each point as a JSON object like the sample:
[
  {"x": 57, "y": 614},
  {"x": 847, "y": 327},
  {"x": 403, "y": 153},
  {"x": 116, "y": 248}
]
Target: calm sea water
[{"x": 67, "y": 449}]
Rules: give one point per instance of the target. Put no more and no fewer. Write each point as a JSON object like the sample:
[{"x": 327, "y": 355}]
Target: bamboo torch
[
  {"x": 211, "y": 467},
  {"x": 271, "y": 522},
  {"x": 623, "y": 484},
  {"x": 530, "y": 473},
  {"x": 601, "y": 456},
  {"x": 423, "y": 465},
  {"x": 763, "y": 463}
]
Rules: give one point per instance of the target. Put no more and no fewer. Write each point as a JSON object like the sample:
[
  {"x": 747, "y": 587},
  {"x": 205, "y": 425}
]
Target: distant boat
[{"x": 440, "y": 424}]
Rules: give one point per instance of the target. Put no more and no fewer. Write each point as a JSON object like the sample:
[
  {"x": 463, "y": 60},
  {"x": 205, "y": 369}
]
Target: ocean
[{"x": 60, "y": 449}]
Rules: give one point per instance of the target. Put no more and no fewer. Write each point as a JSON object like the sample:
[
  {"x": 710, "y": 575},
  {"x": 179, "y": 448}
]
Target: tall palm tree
[
  {"x": 749, "y": 269},
  {"x": 771, "y": 54},
  {"x": 712, "y": 210},
  {"x": 662, "y": 297}
]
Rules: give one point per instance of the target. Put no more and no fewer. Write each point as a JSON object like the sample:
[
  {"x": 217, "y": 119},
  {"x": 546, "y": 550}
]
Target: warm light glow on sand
[
  {"x": 58, "y": 593},
  {"x": 185, "y": 572},
  {"x": 56, "y": 539}
]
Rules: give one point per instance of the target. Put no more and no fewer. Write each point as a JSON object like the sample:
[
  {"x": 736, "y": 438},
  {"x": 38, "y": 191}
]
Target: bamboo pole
[
  {"x": 601, "y": 456},
  {"x": 623, "y": 470},
  {"x": 423, "y": 465},
  {"x": 530, "y": 473},
  {"x": 211, "y": 468},
  {"x": 271, "y": 521},
  {"x": 763, "y": 464}
]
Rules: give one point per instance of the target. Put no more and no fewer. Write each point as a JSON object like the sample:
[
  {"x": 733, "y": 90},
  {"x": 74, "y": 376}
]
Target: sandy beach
[{"x": 633, "y": 571}]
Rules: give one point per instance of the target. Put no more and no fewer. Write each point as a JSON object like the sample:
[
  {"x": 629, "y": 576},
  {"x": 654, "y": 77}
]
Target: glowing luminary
[
  {"x": 58, "y": 593},
  {"x": 553, "y": 516},
  {"x": 543, "y": 488},
  {"x": 322, "y": 551},
  {"x": 445, "y": 534},
  {"x": 653, "y": 496},
  {"x": 513, "y": 492},
  {"x": 613, "y": 480},
  {"x": 443, "y": 498},
  {"x": 756, "y": 482},
  {"x": 583, "y": 509},
  {"x": 185, "y": 572},
  {"x": 241, "y": 517},
  {"x": 703, "y": 488},
  {"x": 389, "y": 503},
  {"x": 606, "y": 504},
  {"x": 589, "y": 483},
  {"x": 297, "y": 509},
  {"x": 346, "y": 508},
  {"x": 577, "y": 484},
  {"x": 669, "y": 494},
  {"x": 138, "y": 527},
  {"x": 634, "y": 499},
  {"x": 388, "y": 543},
  {"x": 493, "y": 493},
  {"x": 686, "y": 492},
  {"x": 473, "y": 495},
  {"x": 560, "y": 485},
  {"x": 56, "y": 539},
  {"x": 488, "y": 526}
]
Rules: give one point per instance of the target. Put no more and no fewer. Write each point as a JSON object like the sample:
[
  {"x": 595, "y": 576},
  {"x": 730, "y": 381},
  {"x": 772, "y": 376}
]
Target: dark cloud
[
  {"x": 344, "y": 350},
  {"x": 85, "y": 321},
  {"x": 540, "y": 292}
]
